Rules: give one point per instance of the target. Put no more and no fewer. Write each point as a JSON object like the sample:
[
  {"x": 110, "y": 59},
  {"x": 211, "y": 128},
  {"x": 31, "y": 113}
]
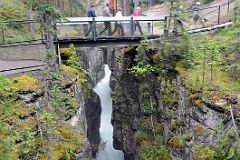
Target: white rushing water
[{"x": 106, "y": 151}]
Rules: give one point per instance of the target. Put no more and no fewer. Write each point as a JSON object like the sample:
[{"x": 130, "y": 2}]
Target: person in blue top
[
  {"x": 197, "y": 16},
  {"x": 91, "y": 12},
  {"x": 196, "y": 11}
]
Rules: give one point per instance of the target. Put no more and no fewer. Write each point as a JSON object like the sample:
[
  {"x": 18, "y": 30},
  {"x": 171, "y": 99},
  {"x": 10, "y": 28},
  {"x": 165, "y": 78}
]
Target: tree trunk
[{"x": 170, "y": 17}]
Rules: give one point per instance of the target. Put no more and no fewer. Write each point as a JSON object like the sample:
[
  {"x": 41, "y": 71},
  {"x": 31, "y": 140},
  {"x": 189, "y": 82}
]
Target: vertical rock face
[
  {"x": 185, "y": 120},
  {"x": 92, "y": 60},
  {"x": 125, "y": 105}
]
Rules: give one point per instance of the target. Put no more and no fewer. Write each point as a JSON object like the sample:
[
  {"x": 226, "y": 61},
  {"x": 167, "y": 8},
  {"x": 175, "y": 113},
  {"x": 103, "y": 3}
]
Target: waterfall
[{"x": 106, "y": 150}]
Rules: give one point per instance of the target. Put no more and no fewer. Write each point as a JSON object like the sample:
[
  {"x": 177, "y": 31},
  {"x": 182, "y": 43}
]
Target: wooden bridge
[{"x": 72, "y": 31}]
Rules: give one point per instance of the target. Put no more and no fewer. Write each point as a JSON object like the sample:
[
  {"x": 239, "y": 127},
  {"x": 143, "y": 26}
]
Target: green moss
[
  {"x": 26, "y": 83},
  {"x": 177, "y": 141},
  {"x": 5, "y": 83},
  {"x": 156, "y": 57},
  {"x": 118, "y": 93},
  {"x": 13, "y": 11},
  {"x": 70, "y": 141},
  {"x": 203, "y": 152},
  {"x": 199, "y": 130},
  {"x": 140, "y": 136},
  {"x": 187, "y": 137},
  {"x": 154, "y": 149},
  {"x": 64, "y": 52},
  {"x": 198, "y": 103},
  {"x": 69, "y": 70},
  {"x": 175, "y": 124},
  {"x": 170, "y": 95},
  {"x": 129, "y": 50}
]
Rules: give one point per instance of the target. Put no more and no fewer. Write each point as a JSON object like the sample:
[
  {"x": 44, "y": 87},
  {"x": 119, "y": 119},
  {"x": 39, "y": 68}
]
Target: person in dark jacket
[{"x": 91, "y": 12}]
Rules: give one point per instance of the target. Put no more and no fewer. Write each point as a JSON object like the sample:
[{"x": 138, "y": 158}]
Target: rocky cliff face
[
  {"x": 189, "y": 124},
  {"x": 91, "y": 59}
]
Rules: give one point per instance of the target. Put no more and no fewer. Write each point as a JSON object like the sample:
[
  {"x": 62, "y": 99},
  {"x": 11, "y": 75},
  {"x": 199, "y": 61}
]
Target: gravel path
[
  {"x": 210, "y": 14},
  {"x": 17, "y": 66}
]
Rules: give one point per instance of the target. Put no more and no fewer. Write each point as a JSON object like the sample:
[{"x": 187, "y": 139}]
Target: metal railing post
[
  {"x": 132, "y": 27},
  {"x": 228, "y": 5},
  {"x": 152, "y": 27},
  {"x": 165, "y": 26},
  {"x": 94, "y": 28},
  {"x": 149, "y": 27},
  {"x": 219, "y": 13},
  {"x": 3, "y": 36}
]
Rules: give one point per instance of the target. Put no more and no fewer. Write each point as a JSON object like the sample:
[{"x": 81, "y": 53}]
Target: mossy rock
[
  {"x": 177, "y": 141},
  {"x": 182, "y": 68},
  {"x": 156, "y": 57},
  {"x": 26, "y": 83},
  {"x": 188, "y": 137},
  {"x": 198, "y": 103},
  {"x": 141, "y": 136},
  {"x": 175, "y": 124},
  {"x": 203, "y": 152},
  {"x": 199, "y": 130},
  {"x": 129, "y": 50},
  {"x": 71, "y": 71}
]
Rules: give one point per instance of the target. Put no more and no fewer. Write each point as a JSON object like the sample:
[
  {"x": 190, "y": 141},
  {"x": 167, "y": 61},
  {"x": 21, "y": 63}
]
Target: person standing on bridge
[
  {"x": 91, "y": 12},
  {"x": 107, "y": 13},
  {"x": 118, "y": 25},
  {"x": 136, "y": 13}
]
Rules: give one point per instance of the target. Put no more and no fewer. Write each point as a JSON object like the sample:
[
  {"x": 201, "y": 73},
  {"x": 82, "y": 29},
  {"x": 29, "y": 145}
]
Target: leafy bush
[
  {"x": 155, "y": 150},
  {"x": 12, "y": 11},
  {"x": 4, "y": 85}
]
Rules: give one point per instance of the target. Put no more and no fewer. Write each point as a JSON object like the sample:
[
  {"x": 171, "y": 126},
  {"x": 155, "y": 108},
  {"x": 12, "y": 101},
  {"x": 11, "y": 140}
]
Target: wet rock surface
[{"x": 200, "y": 123}]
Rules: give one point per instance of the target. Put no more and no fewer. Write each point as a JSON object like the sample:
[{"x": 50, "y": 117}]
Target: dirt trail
[{"x": 209, "y": 12}]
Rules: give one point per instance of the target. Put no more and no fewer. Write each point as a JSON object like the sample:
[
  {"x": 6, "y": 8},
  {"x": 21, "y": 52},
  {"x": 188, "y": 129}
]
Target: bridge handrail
[
  {"x": 110, "y": 19},
  {"x": 216, "y": 6},
  {"x": 20, "y": 21}
]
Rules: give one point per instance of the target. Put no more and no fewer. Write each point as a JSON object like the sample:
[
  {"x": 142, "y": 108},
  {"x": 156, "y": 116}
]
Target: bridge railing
[
  {"x": 20, "y": 31},
  {"x": 77, "y": 27},
  {"x": 212, "y": 15}
]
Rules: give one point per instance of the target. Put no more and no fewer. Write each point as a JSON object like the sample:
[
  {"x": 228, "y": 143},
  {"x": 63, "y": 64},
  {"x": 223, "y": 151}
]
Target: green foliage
[
  {"x": 69, "y": 154},
  {"x": 203, "y": 152},
  {"x": 27, "y": 140},
  {"x": 141, "y": 71},
  {"x": 228, "y": 147},
  {"x": 177, "y": 141},
  {"x": 73, "y": 60},
  {"x": 211, "y": 64},
  {"x": 63, "y": 103},
  {"x": 155, "y": 150},
  {"x": 4, "y": 85},
  {"x": 142, "y": 67},
  {"x": 170, "y": 95},
  {"x": 43, "y": 7},
  {"x": 12, "y": 11},
  {"x": 53, "y": 76},
  {"x": 73, "y": 65},
  {"x": 8, "y": 148},
  {"x": 234, "y": 71}
]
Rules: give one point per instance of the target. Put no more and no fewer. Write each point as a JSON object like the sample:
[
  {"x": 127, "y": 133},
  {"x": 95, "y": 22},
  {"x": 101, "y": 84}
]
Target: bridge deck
[{"x": 102, "y": 41}]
